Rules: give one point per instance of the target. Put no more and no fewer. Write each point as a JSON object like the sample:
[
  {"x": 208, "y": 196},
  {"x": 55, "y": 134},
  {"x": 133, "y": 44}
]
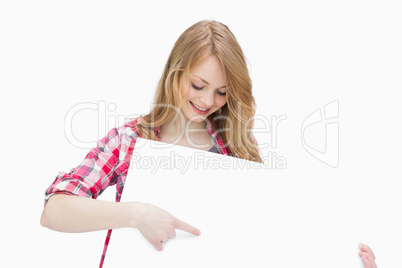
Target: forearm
[{"x": 75, "y": 214}]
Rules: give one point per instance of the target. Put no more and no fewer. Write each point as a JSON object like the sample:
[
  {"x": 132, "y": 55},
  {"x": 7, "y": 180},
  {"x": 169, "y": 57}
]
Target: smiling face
[{"x": 206, "y": 90}]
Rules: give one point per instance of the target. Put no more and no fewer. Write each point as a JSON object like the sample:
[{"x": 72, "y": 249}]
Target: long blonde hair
[{"x": 235, "y": 120}]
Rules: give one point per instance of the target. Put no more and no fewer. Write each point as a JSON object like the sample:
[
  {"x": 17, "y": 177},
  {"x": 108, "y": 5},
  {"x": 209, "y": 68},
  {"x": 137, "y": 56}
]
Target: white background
[{"x": 302, "y": 55}]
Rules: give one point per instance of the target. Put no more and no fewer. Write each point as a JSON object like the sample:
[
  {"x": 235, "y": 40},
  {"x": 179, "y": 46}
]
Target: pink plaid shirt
[{"x": 107, "y": 164}]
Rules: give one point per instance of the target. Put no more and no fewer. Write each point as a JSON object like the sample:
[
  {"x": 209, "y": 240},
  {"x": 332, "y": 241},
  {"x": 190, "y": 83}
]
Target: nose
[{"x": 207, "y": 98}]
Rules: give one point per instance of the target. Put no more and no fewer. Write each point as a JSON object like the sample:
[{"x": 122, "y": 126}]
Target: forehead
[{"x": 209, "y": 69}]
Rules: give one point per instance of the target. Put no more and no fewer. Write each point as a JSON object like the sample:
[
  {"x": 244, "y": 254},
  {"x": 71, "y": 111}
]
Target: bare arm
[{"x": 75, "y": 214}]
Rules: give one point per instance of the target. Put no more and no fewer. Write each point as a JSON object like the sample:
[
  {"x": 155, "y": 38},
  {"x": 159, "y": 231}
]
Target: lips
[{"x": 199, "y": 111}]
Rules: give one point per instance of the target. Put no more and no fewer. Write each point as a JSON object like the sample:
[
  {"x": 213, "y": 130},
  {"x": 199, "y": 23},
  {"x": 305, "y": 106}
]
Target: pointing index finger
[{"x": 187, "y": 227}]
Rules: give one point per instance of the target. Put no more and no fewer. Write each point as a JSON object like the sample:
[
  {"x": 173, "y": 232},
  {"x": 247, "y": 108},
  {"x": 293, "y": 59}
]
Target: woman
[{"x": 203, "y": 100}]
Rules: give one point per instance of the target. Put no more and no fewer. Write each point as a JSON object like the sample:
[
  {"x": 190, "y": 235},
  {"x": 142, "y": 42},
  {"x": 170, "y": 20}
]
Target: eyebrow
[{"x": 206, "y": 81}]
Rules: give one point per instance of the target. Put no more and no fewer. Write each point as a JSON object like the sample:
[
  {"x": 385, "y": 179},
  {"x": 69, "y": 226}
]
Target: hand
[
  {"x": 158, "y": 226},
  {"x": 367, "y": 256}
]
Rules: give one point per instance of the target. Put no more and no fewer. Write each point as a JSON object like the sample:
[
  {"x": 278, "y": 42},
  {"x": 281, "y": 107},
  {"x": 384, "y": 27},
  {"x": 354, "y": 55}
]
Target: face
[{"x": 206, "y": 90}]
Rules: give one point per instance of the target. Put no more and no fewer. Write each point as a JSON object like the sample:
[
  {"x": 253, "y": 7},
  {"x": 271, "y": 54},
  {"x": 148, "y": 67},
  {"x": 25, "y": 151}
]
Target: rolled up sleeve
[{"x": 94, "y": 174}]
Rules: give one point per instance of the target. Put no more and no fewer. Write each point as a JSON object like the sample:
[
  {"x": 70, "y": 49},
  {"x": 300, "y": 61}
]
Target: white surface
[
  {"x": 303, "y": 55},
  {"x": 248, "y": 217}
]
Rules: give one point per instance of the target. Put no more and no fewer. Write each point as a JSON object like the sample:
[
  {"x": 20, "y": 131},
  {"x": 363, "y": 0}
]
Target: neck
[{"x": 179, "y": 126}]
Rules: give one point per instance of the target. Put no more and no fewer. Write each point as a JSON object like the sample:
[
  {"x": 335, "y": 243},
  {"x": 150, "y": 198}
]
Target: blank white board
[{"x": 249, "y": 216}]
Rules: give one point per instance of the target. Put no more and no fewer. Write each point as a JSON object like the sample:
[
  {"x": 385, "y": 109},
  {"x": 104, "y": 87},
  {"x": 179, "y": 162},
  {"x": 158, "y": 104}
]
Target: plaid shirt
[{"x": 107, "y": 164}]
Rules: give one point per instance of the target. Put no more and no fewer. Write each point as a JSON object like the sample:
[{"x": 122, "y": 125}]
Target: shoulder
[{"x": 129, "y": 129}]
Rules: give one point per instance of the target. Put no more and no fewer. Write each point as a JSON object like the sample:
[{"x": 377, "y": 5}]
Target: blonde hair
[{"x": 235, "y": 120}]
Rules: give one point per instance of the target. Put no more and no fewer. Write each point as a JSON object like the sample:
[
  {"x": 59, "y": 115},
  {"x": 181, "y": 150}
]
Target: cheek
[{"x": 221, "y": 102}]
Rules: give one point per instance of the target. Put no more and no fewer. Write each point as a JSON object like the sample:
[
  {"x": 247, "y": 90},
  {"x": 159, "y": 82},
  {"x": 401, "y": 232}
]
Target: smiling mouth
[{"x": 199, "y": 108}]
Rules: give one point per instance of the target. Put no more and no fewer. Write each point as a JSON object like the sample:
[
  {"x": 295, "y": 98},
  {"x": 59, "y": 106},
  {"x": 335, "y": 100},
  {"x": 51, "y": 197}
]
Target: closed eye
[
  {"x": 195, "y": 87},
  {"x": 200, "y": 88}
]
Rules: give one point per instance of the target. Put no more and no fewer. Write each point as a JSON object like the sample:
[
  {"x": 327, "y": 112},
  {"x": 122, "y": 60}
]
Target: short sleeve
[{"x": 94, "y": 174}]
